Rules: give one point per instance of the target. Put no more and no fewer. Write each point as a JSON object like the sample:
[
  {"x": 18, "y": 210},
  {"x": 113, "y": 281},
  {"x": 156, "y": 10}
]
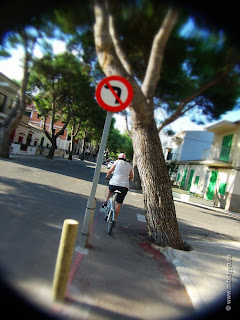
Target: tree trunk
[
  {"x": 136, "y": 180},
  {"x": 82, "y": 157},
  {"x": 53, "y": 148},
  {"x": 158, "y": 201},
  {"x": 71, "y": 148},
  {"x": 4, "y": 142},
  {"x": 70, "y": 155}
]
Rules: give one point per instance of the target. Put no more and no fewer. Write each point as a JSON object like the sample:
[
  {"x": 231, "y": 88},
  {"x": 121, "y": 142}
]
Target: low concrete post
[{"x": 64, "y": 258}]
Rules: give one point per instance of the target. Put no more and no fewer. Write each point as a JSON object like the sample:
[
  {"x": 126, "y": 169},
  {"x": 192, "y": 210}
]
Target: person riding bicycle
[{"x": 122, "y": 174}]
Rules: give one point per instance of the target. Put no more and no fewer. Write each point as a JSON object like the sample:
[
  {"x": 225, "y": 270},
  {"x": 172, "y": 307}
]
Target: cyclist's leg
[
  {"x": 117, "y": 209},
  {"x": 108, "y": 196},
  {"x": 119, "y": 200}
]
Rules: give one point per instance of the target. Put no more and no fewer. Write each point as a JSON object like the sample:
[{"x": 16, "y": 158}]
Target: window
[
  {"x": 10, "y": 103},
  {"x": 226, "y": 148},
  {"x": 3, "y": 99},
  {"x": 20, "y": 139},
  {"x": 27, "y": 113},
  {"x": 29, "y": 138},
  {"x": 41, "y": 142}
]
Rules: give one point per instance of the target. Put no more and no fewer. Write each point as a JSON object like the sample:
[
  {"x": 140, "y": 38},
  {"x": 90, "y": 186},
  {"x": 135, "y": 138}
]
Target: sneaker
[
  {"x": 113, "y": 223},
  {"x": 104, "y": 204}
]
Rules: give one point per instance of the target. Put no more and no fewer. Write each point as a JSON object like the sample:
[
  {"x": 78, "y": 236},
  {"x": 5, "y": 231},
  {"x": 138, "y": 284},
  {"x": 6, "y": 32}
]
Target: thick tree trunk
[
  {"x": 136, "y": 180},
  {"x": 158, "y": 201}
]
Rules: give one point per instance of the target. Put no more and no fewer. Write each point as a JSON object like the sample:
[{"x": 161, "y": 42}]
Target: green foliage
[
  {"x": 196, "y": 53},
  {"x": 172, "y": 167},
  {"x": 118, "y": 143}
]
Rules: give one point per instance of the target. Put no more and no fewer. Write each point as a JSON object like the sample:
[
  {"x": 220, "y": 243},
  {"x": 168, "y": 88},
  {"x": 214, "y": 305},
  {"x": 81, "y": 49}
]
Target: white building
[
  {"x": 216, "y": 175},
  {"x": 187, "y": 145}
]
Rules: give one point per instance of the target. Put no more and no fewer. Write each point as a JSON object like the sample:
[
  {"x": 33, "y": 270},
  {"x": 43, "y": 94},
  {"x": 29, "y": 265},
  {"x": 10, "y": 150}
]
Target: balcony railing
[{"x": 217, "y": 153}]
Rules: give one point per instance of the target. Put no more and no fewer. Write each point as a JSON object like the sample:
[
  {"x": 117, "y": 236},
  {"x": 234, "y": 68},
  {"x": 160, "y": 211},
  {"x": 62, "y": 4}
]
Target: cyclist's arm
[
  {"x": 110, "y": 171},
  {"x": 131, "y": 175}
]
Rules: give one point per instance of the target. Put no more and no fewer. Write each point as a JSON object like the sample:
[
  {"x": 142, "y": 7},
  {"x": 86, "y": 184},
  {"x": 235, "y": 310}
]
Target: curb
[
  {"x": 208, "y": 208},
  {"x": 186, "y": 280}
]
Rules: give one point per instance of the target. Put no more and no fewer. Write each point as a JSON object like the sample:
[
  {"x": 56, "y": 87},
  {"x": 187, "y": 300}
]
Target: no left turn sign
[{"x": 114, "y": 93}]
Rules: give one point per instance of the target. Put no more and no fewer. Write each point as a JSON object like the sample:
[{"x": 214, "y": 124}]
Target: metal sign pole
[{"x": 90, "y": 205}]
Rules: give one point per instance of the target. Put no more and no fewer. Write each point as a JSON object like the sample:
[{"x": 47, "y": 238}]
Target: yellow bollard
[{"x": 64, "y": 258}]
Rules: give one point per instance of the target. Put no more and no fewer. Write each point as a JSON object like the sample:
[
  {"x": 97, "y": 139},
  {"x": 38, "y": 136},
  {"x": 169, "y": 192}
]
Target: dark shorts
[{"x": 120, "y": 196}]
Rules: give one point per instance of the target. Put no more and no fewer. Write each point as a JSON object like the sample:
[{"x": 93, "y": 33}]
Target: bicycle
[{"x": 110, "y": 212}]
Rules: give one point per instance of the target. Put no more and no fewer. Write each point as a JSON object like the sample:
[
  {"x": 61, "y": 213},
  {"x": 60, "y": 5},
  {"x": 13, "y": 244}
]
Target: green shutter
[
  {"x": 179, "y": 176},
  {"x": 196, "y": 180},
  {"x": 184, "y": 178},
  {"x": 190, "y": 180},
  {"x": 222, "y": 188},
  {"x": 226, "y": 148},
  {"x": 211, "y": 186}
]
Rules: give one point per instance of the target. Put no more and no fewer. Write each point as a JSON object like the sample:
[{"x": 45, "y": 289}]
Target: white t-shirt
[{"x": 121, "y": 174}]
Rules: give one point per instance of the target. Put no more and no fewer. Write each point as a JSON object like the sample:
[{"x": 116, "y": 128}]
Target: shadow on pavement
[{"x": 59, "y": 166}]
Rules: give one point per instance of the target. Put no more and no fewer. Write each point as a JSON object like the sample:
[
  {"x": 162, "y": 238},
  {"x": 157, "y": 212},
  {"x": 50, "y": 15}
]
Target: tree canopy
[
  {"x": 61, "y": 88},
  {"x": 201, "y": 65}
]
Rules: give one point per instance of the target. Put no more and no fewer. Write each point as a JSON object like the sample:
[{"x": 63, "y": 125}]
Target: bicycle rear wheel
[
  {"x": 108, "y": 207},
  {"x": 109, "y": 223}
]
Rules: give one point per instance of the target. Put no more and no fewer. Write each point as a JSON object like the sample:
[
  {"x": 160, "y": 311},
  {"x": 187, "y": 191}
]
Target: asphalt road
[{"x": 37, "y": 194}]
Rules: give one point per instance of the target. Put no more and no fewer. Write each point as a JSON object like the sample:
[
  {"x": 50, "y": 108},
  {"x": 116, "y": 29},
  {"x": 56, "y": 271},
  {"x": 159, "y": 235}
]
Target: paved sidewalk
[
  {"x": 122, "y": 276},
  {"x": 206, "y": 271},
  {"x": 210, "y": 268}
]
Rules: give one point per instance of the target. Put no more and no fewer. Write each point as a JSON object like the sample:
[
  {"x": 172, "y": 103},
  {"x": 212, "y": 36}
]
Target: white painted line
[
  {"x": 54, "y": 225},
  {"x": 141, "y": 218},
  {"x": 81, "y": 250}
]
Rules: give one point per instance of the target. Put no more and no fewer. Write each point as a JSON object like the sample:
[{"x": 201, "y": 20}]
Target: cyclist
[{"x": 122, "y": 174}]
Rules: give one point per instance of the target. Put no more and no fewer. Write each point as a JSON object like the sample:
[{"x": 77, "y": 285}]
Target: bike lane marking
[{"x": 81, "y": 253}]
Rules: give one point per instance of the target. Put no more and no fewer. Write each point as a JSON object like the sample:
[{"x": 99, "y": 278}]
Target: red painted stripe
[
  {"x": 114, "y": 93},
  {"x": 79, "y": 256},
  {"x": 74, "y": 267}
]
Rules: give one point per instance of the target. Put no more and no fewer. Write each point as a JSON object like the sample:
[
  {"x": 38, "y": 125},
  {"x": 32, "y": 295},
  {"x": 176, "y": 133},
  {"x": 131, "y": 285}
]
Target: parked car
[{"x": 110, "y": 163}]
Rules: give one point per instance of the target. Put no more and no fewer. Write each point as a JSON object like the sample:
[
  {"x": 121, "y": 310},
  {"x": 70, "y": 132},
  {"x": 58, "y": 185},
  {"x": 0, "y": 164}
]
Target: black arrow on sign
[{"x": 117, "y": 89}]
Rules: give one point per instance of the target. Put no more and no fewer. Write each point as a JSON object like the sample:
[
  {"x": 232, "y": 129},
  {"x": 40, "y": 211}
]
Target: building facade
[
  {"x": 187, "y": 145},
  {"x": 8, "y": 92},
  {"x": 216, "y": 176}
]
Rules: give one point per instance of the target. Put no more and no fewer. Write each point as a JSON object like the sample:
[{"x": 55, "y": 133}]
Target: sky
[{"x": 11, "y": 67}]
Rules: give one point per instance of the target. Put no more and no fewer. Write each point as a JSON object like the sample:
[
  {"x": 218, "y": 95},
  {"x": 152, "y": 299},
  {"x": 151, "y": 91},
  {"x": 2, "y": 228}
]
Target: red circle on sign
[{"x": 122, "y": 105}]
